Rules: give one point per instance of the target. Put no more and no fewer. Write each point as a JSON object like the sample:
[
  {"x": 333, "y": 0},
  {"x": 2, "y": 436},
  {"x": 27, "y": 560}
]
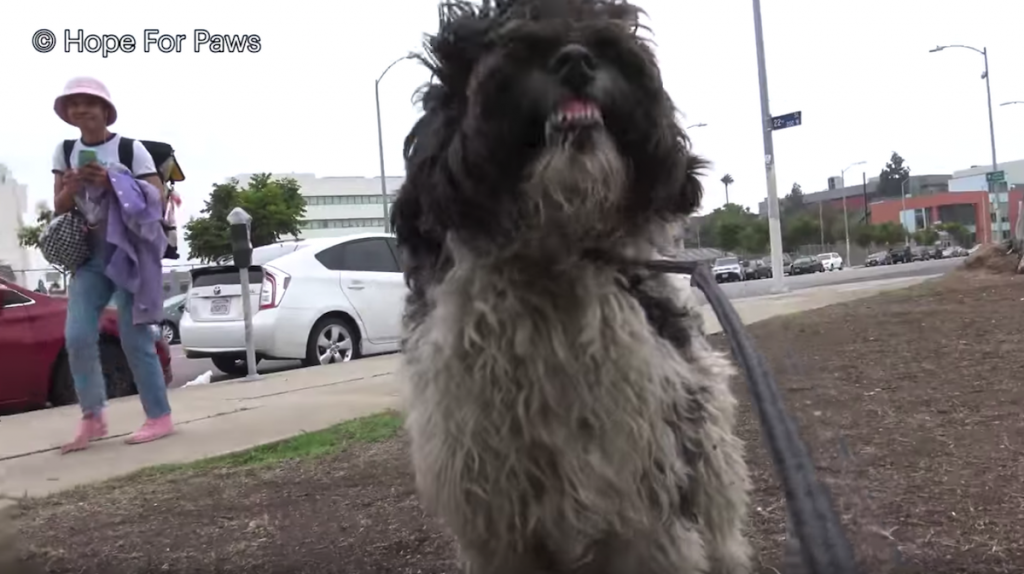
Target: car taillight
[{"x": 275, "y": 283}]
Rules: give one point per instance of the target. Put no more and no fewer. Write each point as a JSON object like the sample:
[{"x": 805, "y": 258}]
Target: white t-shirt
[
  {"x": 106, "y": 155},
  {"x": 95, "y": 208}
]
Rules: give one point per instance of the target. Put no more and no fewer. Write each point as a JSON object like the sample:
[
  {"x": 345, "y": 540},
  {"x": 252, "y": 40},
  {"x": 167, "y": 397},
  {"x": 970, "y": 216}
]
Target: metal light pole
[
  {"x": 1011, "y": 103},
  {"x": 774, "y": 222},
  {"x": 380, "y": 144},
  {"x": 991, "y": 124},
  {"x": 821, "y": 222},
  {"x": 846, "y": 218},
  {"x": 903, "y": 223}
]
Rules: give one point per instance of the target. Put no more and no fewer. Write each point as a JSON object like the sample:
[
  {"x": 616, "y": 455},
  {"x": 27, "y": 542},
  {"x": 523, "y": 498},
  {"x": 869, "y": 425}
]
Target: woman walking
[{"x": 86, "y": 179}]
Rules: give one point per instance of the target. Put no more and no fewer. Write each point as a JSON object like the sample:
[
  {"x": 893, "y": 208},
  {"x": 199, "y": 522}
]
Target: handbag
[{"x": 65, "y": 241}]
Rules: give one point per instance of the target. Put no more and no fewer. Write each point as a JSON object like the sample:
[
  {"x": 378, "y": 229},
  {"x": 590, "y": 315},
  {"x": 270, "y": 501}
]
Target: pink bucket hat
[{"x": 86, "y": 86}]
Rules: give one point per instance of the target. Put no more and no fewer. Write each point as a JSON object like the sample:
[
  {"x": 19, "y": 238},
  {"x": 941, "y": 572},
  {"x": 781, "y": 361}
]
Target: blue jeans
[{"x": 89, "y": 292}]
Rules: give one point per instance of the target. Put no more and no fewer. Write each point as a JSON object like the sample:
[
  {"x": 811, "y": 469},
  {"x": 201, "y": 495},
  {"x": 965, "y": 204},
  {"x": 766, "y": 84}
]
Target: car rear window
[
  {"x": 227, "y": 277},
  {"x": 267, "y": 253},
  {"x": 727, "y": 261}
]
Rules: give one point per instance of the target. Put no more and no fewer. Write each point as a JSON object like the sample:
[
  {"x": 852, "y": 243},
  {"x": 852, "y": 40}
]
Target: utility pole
[
  {"x": 821, "y": 223},
  {"x": 774, "y": 222},
  {"x": 846, "y": 217},
  {"x": 903, "y": 214},
  {"x": 864, "y": 189}
]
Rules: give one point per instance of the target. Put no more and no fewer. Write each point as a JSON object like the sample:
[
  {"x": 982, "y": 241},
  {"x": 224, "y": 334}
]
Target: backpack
[{"x": 170, "y": 173}]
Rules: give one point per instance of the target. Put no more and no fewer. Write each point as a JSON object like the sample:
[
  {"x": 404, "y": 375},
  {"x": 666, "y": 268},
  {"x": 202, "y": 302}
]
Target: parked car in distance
[
  {"x": 787, "y": 261},
  {"x": 173, "y": 308},
  {"x": 35, "y": 364},
  {"x": 880, "y": 258},
  {"x": 900, "y": 254},
  {"x": 314, "y": 300},
  {"x": 727, "y": 269},
  {"x": 805, "y": 265},
  {"x": 923, "y": 253},
  {"x": 755, "y": 269},
  {"x": 831, "y": 261},
  {"x": 957, "y": 251}
]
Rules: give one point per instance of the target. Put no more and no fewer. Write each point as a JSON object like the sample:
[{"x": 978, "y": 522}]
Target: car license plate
[{"x": 220, "y": 306}]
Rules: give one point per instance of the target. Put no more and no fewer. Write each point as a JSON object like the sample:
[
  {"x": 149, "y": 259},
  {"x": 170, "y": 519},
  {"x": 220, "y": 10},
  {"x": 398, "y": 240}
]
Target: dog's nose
[{"x": 575, "y": 65}]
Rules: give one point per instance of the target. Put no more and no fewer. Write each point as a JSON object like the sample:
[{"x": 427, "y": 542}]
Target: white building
[
  {"x": 13, "y": 206},
  {"x": 974, "y": 178},
  {"x": 338, "y": 206}
]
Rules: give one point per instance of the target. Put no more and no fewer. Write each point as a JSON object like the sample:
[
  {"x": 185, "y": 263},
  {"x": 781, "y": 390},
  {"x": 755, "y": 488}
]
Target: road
[{"x": 188, "y": 369}]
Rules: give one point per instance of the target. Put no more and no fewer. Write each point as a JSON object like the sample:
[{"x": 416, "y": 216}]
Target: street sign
[
  {"x": 995, "y": 176},
  {"x": 786, "y": 121}
]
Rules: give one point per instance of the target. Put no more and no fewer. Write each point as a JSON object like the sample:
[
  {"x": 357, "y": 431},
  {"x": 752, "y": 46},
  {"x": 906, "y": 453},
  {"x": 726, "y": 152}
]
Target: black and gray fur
[{"x": 566, "y": 413}]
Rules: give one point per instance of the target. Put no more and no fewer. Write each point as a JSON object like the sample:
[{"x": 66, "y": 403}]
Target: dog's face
[{"x": 552, "y": 121}]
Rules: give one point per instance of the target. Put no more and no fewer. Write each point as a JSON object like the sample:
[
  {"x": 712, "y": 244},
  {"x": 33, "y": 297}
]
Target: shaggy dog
[{"x": 566, "y": 413}]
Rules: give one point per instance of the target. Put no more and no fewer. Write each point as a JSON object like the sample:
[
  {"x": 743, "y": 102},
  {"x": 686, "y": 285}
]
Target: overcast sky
[{"x": 860, "y": 72}]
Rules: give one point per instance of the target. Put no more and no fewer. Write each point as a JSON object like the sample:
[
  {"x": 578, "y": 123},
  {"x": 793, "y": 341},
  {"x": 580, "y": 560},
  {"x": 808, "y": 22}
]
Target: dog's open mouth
[{"x": 573, "y": 116}]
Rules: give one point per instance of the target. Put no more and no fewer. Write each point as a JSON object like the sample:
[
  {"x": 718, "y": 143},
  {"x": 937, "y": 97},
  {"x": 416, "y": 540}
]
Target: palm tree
[{"x": 727, "y": 180}]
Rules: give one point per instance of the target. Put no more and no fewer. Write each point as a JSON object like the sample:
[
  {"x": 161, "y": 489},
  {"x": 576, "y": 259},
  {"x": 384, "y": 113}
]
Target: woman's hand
[
  {"x": 95, "y": 174},
  {"x": 71, "y": 183}
]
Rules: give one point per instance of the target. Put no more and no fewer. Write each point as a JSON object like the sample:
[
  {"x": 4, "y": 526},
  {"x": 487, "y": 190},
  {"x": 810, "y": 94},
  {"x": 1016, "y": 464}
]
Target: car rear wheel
[
  {"x": 116, "y": 371},
  {"x": 62, "y": 385},
  {"x": 168, "y": 333},
  {"x": 333, "y": 339}
]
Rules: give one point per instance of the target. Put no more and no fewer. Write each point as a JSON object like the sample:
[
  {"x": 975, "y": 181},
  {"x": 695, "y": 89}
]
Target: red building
[{"x": 969, "y": 208}]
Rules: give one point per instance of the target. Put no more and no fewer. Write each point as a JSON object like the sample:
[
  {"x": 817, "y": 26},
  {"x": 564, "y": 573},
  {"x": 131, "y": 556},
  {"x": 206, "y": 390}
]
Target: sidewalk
[{"x": 225, "y": 417}]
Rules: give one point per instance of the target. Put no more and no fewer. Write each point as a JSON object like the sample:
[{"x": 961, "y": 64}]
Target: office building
[
  {"x": 13, "y": 207},
  {"x": 337, "y": 206}
]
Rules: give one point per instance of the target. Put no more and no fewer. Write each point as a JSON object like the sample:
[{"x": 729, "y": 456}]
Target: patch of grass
[{"x": 370, "y": 429}]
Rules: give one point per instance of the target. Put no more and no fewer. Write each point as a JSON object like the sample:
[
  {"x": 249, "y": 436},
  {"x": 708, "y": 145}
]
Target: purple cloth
[{"x": 136, "y": 242}]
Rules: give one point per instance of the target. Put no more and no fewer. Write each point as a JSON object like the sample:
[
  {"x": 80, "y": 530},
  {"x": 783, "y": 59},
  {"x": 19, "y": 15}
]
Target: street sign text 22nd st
[{"x": 784, "y": 121}]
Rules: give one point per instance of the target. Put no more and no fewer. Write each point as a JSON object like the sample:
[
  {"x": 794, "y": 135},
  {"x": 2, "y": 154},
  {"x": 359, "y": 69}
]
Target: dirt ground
[{"x": 911, "y": 402}]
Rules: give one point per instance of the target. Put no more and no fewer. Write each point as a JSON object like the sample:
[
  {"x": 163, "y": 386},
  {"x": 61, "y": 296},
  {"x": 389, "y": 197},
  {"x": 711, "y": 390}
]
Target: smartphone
[{"x": 86, "y": 156}]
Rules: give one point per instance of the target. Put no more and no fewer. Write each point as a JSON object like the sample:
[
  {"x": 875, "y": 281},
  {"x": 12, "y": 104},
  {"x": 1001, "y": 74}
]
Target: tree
[
  {"x": 926, "y": 236},
  {"x": 28, "y": 235},
  {"x": 723, "y": 227},
  {"x": 957, "y": 231},
  {"x": 727, "y": 180},
  {"x": 754, "y": 238},
  {"x": 276, "y": 207},
  {"x": 890, "y": 233},
  {"x": 863, "y": 235},
  {"x": 802, "y": 230},
  {"x": 892, "y": 176},
  {"x": 793, "y": 203}
]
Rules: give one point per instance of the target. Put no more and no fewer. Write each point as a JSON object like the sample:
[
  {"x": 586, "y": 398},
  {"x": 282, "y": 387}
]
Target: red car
[{"x": 33, "y": 362}]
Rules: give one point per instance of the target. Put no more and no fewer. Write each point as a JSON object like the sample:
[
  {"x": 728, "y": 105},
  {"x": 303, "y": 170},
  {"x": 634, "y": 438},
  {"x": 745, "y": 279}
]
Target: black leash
[{"x": 823, "y": 543}]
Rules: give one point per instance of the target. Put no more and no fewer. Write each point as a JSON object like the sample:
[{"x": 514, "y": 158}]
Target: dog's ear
[
  {"x": 420, "y": 216},
  {"x": 691, "y": 190},
  {"x": 669, "y": 174}
]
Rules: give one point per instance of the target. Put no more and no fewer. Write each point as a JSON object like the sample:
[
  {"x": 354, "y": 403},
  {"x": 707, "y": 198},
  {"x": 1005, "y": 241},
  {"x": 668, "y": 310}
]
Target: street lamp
[
  {"x": 380, "y": 142},
  {"x": 991, "y": 123},
  {"x": 903, "y": 223},
  {"x": 846, "y": 219},
  {"x": 696, "y": 126},
  {"x": 1011, "y": 103}
]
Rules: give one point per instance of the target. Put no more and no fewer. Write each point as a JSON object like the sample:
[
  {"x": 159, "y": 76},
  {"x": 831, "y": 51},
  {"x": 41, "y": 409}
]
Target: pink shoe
[
  {"x": 151, "y": 430},
  {"x": 91, "y": 427}
]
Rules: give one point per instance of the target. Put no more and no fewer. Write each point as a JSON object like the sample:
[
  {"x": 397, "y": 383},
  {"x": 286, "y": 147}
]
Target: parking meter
[
  {"x": 241, "y": 241},
  {"x": 241, "y": 249}
]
